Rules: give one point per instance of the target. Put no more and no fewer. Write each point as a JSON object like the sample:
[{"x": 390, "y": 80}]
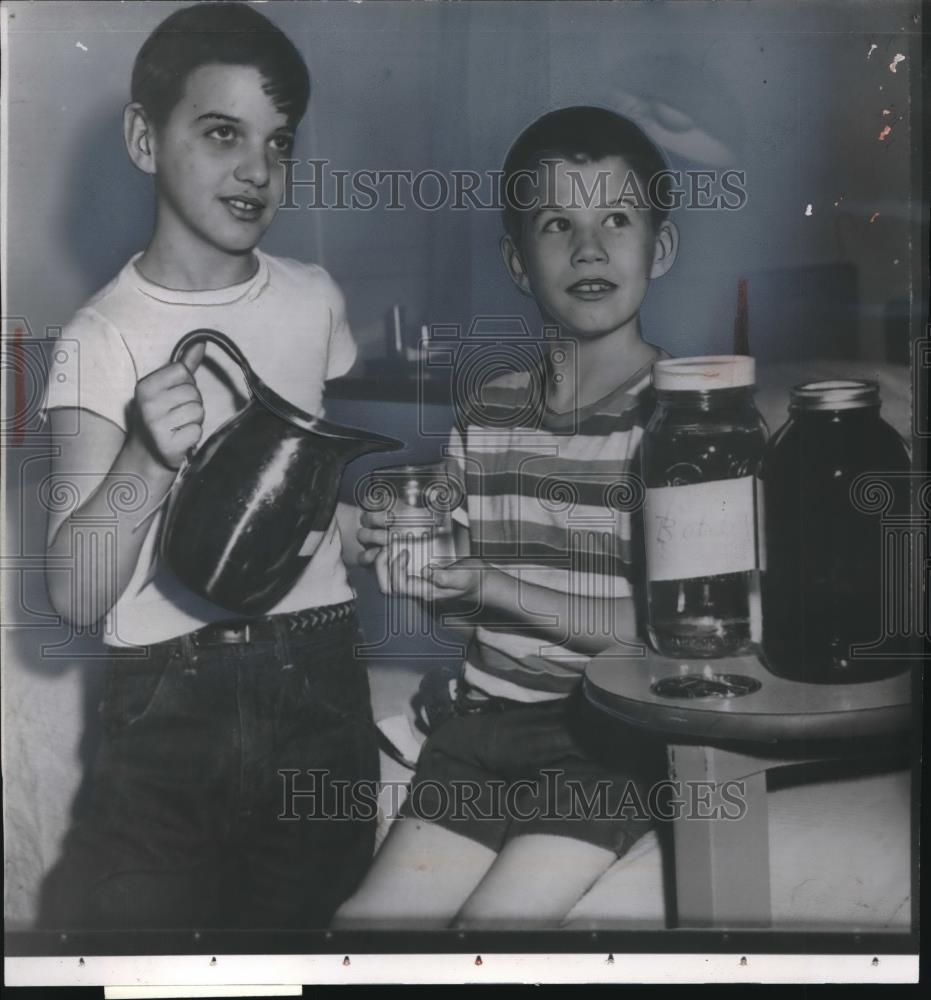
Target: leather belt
[
  {"x": 471, "y": 701},
  {"x": 269, "y": 628}
]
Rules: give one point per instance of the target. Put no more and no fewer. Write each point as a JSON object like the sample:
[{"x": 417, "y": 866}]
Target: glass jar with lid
[
  {"x": 700, "y": 457},
  {"x": 823, "y": 589}
]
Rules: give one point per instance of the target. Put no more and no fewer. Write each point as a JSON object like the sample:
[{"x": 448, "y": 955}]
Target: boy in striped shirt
[{"x": 524, "y": 780}]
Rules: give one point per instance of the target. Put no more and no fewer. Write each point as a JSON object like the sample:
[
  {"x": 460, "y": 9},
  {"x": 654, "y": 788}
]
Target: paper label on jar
[
  {"x": 705, "y": 529},
  {"x": 758, "y": 493}
]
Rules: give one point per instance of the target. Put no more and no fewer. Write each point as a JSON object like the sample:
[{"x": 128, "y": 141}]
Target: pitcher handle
[{"x": 221, "y": 340}]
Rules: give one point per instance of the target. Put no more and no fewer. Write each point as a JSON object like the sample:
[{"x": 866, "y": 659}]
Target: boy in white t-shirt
[{"x": 187, "y": 823}]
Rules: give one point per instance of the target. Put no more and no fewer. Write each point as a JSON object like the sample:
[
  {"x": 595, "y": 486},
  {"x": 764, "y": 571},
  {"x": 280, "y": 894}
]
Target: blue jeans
[{"x": 183, "y": 826}]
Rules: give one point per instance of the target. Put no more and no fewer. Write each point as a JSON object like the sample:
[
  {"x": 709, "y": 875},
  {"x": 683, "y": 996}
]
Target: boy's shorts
[{"x": 558, "y": 767}]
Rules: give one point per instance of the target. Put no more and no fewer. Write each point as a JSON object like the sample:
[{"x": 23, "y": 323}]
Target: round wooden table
[{"x": 720, "y": 748}]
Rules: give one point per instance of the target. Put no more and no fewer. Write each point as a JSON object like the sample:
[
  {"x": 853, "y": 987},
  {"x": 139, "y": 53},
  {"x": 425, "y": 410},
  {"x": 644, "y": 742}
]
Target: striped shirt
[{"x": 549, "y": 501}]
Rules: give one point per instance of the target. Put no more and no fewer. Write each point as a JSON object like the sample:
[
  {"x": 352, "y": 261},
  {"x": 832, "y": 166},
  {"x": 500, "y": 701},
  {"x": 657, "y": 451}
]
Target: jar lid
[
  {"x": 834, "y": 394},
  {"x": 705, "y": 374}
]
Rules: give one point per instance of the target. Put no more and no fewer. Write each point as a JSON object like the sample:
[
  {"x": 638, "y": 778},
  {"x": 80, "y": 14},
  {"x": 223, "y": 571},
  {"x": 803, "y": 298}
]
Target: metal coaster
[{"x": 705, "y": 686}]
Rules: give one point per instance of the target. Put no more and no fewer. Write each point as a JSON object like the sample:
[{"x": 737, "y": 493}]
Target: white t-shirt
[{"x": 289, "y": 321}]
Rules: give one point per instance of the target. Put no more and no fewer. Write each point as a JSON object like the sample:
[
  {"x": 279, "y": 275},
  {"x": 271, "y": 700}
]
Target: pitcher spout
[
  {"x": 374, "y": 444},
  {"x": 352, "y": 442}
]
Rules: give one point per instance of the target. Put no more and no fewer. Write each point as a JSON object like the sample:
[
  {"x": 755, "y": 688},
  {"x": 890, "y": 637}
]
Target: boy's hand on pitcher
[{"x": 170, "y": 408}]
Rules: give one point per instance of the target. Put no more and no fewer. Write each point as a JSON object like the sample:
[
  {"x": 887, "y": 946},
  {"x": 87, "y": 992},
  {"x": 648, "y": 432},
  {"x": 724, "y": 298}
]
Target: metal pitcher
[{"x": 247, "y": 499}]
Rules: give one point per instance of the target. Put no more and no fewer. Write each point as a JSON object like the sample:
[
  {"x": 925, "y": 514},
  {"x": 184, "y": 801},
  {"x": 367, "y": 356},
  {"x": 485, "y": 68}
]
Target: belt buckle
[
  {"x": 235, "y": 634},
  {"x": 468, "y": 704},
  {"x": 224, "y": 635}
]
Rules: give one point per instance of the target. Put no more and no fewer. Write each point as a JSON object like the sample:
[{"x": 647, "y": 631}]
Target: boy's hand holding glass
[
  {"x": 454, "y": 581},
  {"x": 407, "y": 530}
]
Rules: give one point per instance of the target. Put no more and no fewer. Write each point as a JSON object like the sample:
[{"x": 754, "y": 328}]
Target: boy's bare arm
[
  {"x": 100, "y": 469},
  {"x": 490, "y": 597}
]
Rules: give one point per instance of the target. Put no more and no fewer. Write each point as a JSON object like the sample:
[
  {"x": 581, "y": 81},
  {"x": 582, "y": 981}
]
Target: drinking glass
[{"x": 419, "y": 500}]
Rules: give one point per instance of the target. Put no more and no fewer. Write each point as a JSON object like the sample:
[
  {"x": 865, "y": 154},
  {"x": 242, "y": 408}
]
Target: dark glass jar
[
  {"x": 823, "y": 586},
  {"x": 700, "y": 458}
]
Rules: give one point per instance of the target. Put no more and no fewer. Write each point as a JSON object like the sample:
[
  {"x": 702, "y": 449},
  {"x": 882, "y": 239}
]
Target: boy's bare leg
[
  {"x": 535, "y": 881},
  {"x": 420, "y": 879}
]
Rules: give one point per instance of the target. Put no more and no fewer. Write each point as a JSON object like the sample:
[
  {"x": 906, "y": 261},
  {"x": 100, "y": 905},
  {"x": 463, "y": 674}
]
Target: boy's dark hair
[
  {"x": 232, "y": 34},
  {"x": 583, "y": 135}
]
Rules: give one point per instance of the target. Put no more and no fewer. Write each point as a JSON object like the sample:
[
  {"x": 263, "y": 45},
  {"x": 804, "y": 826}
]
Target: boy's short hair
[
  {"x": 583, "y": 135},
  {"x": 225, "y": 33}
]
